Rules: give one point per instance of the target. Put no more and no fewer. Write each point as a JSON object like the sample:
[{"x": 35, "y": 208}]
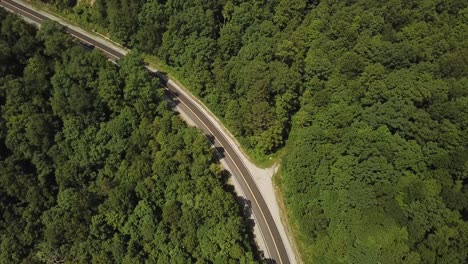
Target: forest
[
  {"x": 95, "y": 166},
  {"x": 367, "y": 100}
]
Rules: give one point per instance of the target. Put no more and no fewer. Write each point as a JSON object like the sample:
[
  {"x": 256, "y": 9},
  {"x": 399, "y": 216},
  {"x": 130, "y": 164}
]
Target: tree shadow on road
[{"x": 245, "y": 210}]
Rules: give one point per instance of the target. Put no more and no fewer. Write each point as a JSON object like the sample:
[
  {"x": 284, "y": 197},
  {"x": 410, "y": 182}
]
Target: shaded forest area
[
  {"x": 96, "y": 168},
  {"x": 371, "y": 98}
]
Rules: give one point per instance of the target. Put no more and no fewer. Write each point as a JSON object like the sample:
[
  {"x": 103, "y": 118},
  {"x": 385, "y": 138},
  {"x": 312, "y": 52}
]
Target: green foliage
[
  {"x": 95, "y": 167},
  {"x": 210, "y": 43},
  {"x": 371, "y": 96},
  {"x": 379, "y": 148}
]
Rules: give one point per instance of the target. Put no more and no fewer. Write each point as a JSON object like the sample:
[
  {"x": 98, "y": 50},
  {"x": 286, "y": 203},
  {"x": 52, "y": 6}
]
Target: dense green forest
[
  {"x": 96, "y": 168},
  {"x": 378, "y": 167},
  {"x": 370, "y": 97}
]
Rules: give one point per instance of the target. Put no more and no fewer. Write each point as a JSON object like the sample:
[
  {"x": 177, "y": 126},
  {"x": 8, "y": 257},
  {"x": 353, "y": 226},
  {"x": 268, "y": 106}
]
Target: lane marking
[{"x": 86, "y": 41}]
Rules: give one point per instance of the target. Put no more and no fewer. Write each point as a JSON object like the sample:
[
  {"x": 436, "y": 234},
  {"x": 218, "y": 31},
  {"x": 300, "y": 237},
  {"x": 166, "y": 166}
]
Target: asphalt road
[{"x": 264, "y": 220}]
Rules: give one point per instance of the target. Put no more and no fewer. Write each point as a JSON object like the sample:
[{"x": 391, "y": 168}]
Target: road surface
[{"x": 264, "y": 220}]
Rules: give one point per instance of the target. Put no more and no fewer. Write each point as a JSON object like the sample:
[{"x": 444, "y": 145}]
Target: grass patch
[{"x": 302, "y": 249}]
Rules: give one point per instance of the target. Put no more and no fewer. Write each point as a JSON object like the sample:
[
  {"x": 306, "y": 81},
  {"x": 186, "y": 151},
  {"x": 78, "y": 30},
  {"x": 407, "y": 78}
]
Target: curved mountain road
[{"x": 188, "y": 105}]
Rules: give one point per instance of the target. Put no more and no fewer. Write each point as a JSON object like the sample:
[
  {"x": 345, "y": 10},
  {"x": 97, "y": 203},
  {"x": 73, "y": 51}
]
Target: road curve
[{"x": 190, "y": 107}]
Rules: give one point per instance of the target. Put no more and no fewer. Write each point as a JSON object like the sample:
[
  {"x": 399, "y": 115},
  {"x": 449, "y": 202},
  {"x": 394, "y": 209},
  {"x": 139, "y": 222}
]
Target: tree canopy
[
  {"x": 370, "y": 98},
  {"x": 96, "y": 168}
]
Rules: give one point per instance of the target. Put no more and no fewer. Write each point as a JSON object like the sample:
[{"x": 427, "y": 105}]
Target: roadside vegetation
[
  {"x": 96, "y": 168},
  {"x": 371, "y": 98}
]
